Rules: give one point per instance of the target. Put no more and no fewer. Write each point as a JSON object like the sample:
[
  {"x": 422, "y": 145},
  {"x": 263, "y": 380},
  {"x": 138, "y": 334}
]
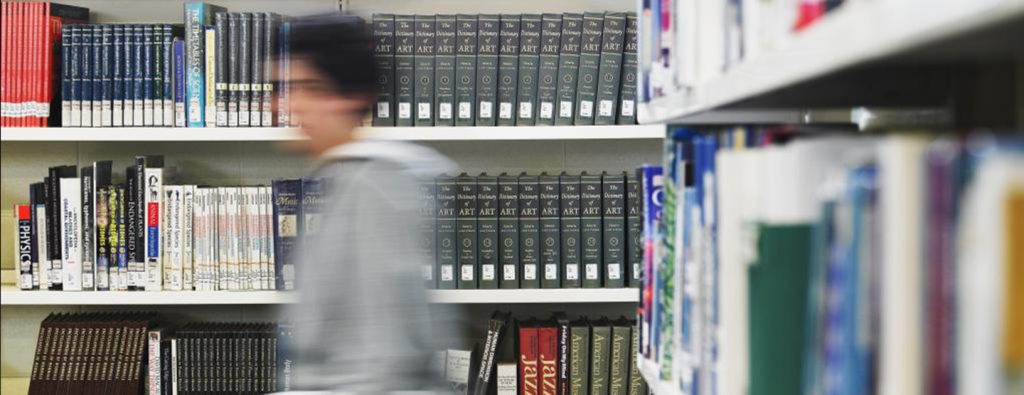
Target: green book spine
[
  {"x": 529, "y": 64},
  {"x": 627, "y": 92},
  {"x": 618, "y": 371},
  {"x": 529, "y": 231},
  {"x": 466, "y": 230},
  {"x": 405, "y": 68},
  {"x": 590, "y": 65},
  {"x": 547, "y": 89},
  {"x": 579, "y": 358},
  {"x": 508, "y": 69},
  {"x": 428, "y": 231},
  {"x": 600, "y": 354},
  {"x": 487, "y": 225},
  {"x": 508, "y": 230},
  {"x": 570, "y": 221},
  {"x": 550, "y": 255},
  {"x": 446, "y": 251},
  {"x": 444, "y": 70},
  {"x": 613, "y": 195},
  {"x": 568, "y": 67},
  {"x": 635, "y": 232},
  {"x": 590, "y": 229},
  {"x": 610, "y": 68},
  {"x": 423, "y": 88},
  {"x": 637, "y": 386},
  {"x": 384, "y": 57},
  {"x": 487, "y": 69},
  {"x": 465, "y": 69}
]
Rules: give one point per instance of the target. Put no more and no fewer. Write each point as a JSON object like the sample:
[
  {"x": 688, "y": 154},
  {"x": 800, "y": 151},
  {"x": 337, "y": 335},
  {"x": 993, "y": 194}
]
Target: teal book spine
[{"x": 197, "y": 16}]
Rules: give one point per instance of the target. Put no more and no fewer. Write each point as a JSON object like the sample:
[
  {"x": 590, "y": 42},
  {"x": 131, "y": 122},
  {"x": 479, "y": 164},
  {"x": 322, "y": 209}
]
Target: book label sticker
[
  {"x": 423, "y": 111},
  {"x": 486, "y": 109},
  {"x": 613, "y": 271},
  {"x": 467, "y": 273},
  {"x": 530, "y": 272},
  {"x": 404, "y": 110},
  {"x": 551, "y": 271},
  {"x": 383, "y": 109},
  {"x": 465, "y": 110},
  {"x": 572, "y": 272},
  {"x": 487, "y": 272},
  {"x": 565, "y": 109},
  {"x": 636, "y": 271},
  {"x": 525, "y": 110},
  {"x": 605, "y": 108},
  {"x": 586, "y": 108},
  {"x": 505, "y": 110},
  {"x": 509, "y": 272},
  {"x": 445, "y": 111},
  {"x": 591, "y": 271},
  {"x": 222, "y": 119},
  {"x": 627, "y": 108},
  {"x": 446, "y": 273},
  {"x": 547, "y": 110}
]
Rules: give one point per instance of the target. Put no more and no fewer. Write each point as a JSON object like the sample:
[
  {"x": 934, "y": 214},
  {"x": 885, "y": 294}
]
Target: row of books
[
  {"x": 532, "y": 231},
  {"x": 861, "y": 265},
  {"x": 505, "y": 70}
]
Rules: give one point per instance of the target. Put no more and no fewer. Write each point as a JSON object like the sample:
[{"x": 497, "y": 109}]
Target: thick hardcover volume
[
  {"x": 488, "y": 360},
  {"x": 447, "y": 250},
  {"x": 600, "y": 350},
  {"x": 564, "y": 344},
  {"x": 529, "y": 63},
  {"x": 424, "y": 69},
  {"x": 384, "y": 57},
  {"x": 234, "y": 66},
  {"x": 244, "y": 68},
  {"x": 590, "y": 229},
  {"x": 444, "y": 70},
  {"x": 117, "y": 76},
  {"x": 466, "y": 231},
  {"x": 197, "y": 15},
  {"x": 87, "y": 232},
  {"x": 590, "y": 65},
  {"x": 405, "y": 68},
  {"x": 637, "y": 386},
  {"x": 138, "y": 75},
  {"x": 610, "y": 70},
  {"x": 23, "y": 216},
  {"x": 627, "y": 89},
  {"x": 508, "y": 69},
  {"x": 167, "y": 98},
  {"x": 179, "y": 83},
  {"x": 613, "y": 192},
  {"x": 56, "y": 219},
  {"x": 547, "y": 359},
  {"x": 147, "y": 74},
  {"x": 428, "y": 231},
  {"x": 529, "y": 358},
  {"x": 85, "y": 57},
  {"x": 96, "y": 78},
  {"x": 618, "y": 369},
  {"x": 508, "y": 230},
  {"x": 634, "y": 232},
  {"x": 284, "y": 71},
  {"x": 220, "y": 90},
  {"x": 547, "y": 89},
  {"x": 70, "y": 206},
  {"x": 465, "y": 68},
  {"x": 75, "y": 76},
  {"x": 487, "y": 69},
  {"x": 579, "y": 358},
  {"x": 106, "y": 74},
  {"x": 256, "y": 72},
  {"x": 550, "y": 254},
  {"x": 271, "y": 23},
  {"x": 65, "y": 76},
  {"x": 529, "y": 231},
  {"x": 154, "y": 206},
  {"x": 570, "y": 224},
  {"x": 287, "y": 204},
  {"x": 487, "y": 229}
]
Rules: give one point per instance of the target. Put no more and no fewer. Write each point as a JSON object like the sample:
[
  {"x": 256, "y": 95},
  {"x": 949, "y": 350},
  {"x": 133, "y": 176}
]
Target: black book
[
  {"x": 256, "y": 73},
  {"x": 102, "y": 179},
  {"x": 570, "y": 223},
  {"x": 618, "y": 361},
  {"x": 444, "y": 70},
  {"x": 487, "y": 69},
  {"x": 564, "y": 346},
  {"x": 529, "y": 231},
  {"x": 466, "y": 230},
  {"x": 627, "y": 90},
  {"x": 547, "y": 89},
  {"x": 508, "y": 69},
  {"x": 37, "y": 200},
  {"x": 600, "y": 353},
  {"x": 220, "y": 66},
  {"x": 244, "y": 68},
  {"x": 610, "y": 69},
  {"x": 271, "y": 26},
  {"x": 447, "y": 250},
  {"x": 590, "y": 229},
  {"x": 590, "y": 64},
  {"x": 465, "y": 69},
  {"x": 487, "y": 230},
  {"x": 508, "y": 230},
  {"x": 424, "y": 69},
  {"x": 87, "y": 233},
  {"x": 428, "y": 231},
  {"x": 405, "y": 68},
  {"x": 137, "y": 268},
  {"x": 613, "y": 196},
  {"x": 131, "y": 251},
  {"x": 529, "y": 63},
  {"x": 384, "y": 58},
  {"x": 634, "y": 232},
  {"x": 234, "y": 68},
  {"x": 495, "y": 334},
  {"x": 46, "y": 258},
  {"x": 550, "y": 256},
  {"x": 579, "y": 358}
]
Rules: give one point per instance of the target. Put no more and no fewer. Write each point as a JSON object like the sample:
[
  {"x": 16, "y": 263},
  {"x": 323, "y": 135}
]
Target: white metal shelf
[
  {"x": 649, "y": 371},
  {"x": 858, "y": 33},
  {"x": 439, "y": 133},
  {"x": 11, "y": 296}
]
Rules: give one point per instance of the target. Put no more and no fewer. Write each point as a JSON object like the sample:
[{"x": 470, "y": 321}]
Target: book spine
[
  {"x": 628, "y": 88},
  {"x": 284, "y": 117},
  {"x": 610, "y": 69},
  {"x": 384, "y": 58},
  {"x": 119, "y": 240},
  {"x": 405, "y": 68},
  {"x": 287, "y": 203},
  {"x": 507, "y": 380},
  {"x": 172, "y": 253},
  {"x": 465, "y": 69},
  {"x": 96, "y": 78},
  {"x": 428, "y": 231},
  {"x": 547, "y": 360},
  {"x": 167, "y": 63},
  {"x": 570, "y": 221},
  {"x": 220, "y": 68},
  {"x": 103, "y": 239},
  {"x": 590, "y": 230},
  {"x": 600, "y": 353},
  {"x": 86, "y": 76},
  {"x": 233, "y": 66},
  {"x": 23, "y": 244},
  {"x": 195, "y": 78},
  {"x": 118, "y": 274},
  {"x": 153, "y": 371},
  {"x": 158, "y": 74},
  {"x": 107, "y": 50},
  {"x": 550, "y": 254},
  {"x": 590, "y": 62},
  {"x": 71, "y": 238},
  {"x": 423, "y": 64},
  {"x": 75, "y": 89},
  {"x": 136, "y": 269},
  {"x": 154, "y": 206},
  {"x": 495, "y": 331},
  {"x": 613, "y": 221},
  {"x": 487, "y": 68},
  {"x": 269, "y": 44},
  {"x": 179, "y": 84},
  {"x": 88, "y": 229},
  {"x": 117, "y": 82},
  {"x": 529, "y": 231},
  {"x": 547, "y": 88},
  {"x": 618, "y": 373},
  {"x": 40, "y": 273},
  {"x": 637, "y": 386},
  {"x": 244, "y": 68},
  {"x": 148, "y": 94},
  {"x": 268, "y": 236},
  {"x": 529, "y": 67},
  {"x": 65, "y": 74},
  {"x": 508, "y": 230},
  {"x": 138, "y": 75},
  {"x": 447, "y": 254},
  {"x": 210, "y": 74},
  {"x": 508, "y": 69},
  {"x": 34, "y": 217},
  {"x": 466, "y": 231},
  {"x": 129, "y": 75},
  {"x": 635, "y": 232},
  {"x": 529, "y": 350},
  {"x": 487, "y": 233}
]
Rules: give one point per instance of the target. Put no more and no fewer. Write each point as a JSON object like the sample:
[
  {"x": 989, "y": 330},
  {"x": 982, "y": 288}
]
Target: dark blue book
[
  {"x": 96, "y": 77},
  {"x": 107, "y": 74},
  {"x": 167, "y": 96},
  {"x": 312, "y": 206},
  {"x": 129, "y": 75},
  {"x": 65, "y": 75},
  {"x": 76, "y": 75},
  {"x": 179, "y": 83},
  {"x": 117, "y": 83},
  {"x": 287, "y": 195},
  {"x": 85, "y": 60},
  {"x": 147, "y": 74},
  {"x": 138, "y": 75}
]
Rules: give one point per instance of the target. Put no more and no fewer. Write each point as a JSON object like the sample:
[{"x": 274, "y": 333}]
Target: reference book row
[
  {"x": 117, "y": 353},
  {"x": 505, "y": 70},
  {"x": 532, "y": 231},
  {"x": 872, "y": 265}
]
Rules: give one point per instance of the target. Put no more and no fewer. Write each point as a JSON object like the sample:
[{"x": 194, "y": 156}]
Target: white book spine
[
  {"x": 187, "y": 232},
  {"x": 507, "y": 383},
  {"x": 65, "y": 113},
  {"x": 264, "y": 258},
  {"x": 158, "y": 112},
  {"x": 255, "y": 240},
  {"x": 97, "y": 111},
  {"x": 209, "y": 75},
  {"x": 139, "y": 112},
  {"x": 70, "y": 229},
  {"x": 86, "y": 111},
  {"x": 243, "y": 241},
  {"x": 222, "y": 238},
  {"x": 117, "y": 113},
  {"x": 38, "y": 280},
  {"x": 233, "y": 239},
  {"x": 154, "y": 214},
  {"x": 269, "y": 229},
  {"x": 171, "y": 237},
  {"x": 174, "y": 362}
]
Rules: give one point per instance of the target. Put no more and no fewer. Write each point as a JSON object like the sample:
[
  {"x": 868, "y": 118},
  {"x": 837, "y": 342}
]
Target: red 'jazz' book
[
  {"x": 548, "y": 358},
  {"x": 528, "y": 359}
]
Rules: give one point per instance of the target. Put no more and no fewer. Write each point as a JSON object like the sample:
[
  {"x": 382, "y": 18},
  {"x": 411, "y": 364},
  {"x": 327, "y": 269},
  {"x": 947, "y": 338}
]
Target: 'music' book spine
[
  {"x": 384, "y": 57},
  {"x": 487, "y": 69},
  {"x": 590, "y": 61},
  {"x": 465, "y": 69},
  {"x": 405, "y": 68},
  {"x": 428, "y": 231},
  {"x": 447, "y": 253},
  {"x": 444, "y": 70},
  {"x": 618, "y": 377},
  {"x": 529, "y": 64},
  {"x": 466, "y": 231},
  {"x": 570, "y": 205},
  {"x": 529, "y": 231},
  {"x": 487, "y": 230},
  {"x": 220, "y": 68},
  {"x": 547, "y": 89},
  {"x": 627, "y": 91},
  {"x": 590, "y": 229},
  {"x": 424, "y": 69},
  {"x": 635, "y": 232},
  {"x": 508, "y": 69},
  {"x": 610, "y": 69},
  {"x": 550, "y": 255},
  {"x": 287, "y": 196},
  {"x": 508, "y": 230},
  {"x": 614, "y": 232},
  {"x": 600, "y": 350}
]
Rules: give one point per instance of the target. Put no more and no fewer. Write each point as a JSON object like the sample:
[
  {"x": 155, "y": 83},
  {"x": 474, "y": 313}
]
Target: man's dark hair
[{"x": 340, "y": 47}]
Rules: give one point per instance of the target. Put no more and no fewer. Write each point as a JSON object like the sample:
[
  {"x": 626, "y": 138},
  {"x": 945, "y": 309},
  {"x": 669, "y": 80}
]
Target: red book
[
  {"x": 5, "y": 55},
  {"x": 548, "y": 358},
  {"x": 528, "y": 359}
]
